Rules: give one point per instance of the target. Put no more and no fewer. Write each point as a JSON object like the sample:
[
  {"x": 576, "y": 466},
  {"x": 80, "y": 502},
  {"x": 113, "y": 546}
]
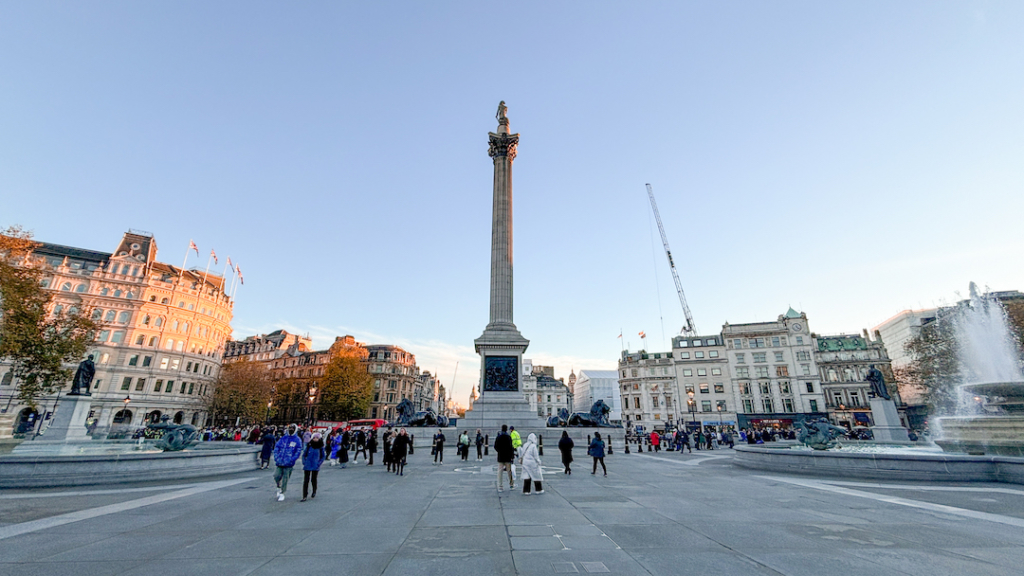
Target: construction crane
[{"x": 689, "y": 329}]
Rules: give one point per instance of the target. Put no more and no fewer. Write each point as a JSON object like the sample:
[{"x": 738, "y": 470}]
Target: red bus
[{"x": 367, "y": 424}]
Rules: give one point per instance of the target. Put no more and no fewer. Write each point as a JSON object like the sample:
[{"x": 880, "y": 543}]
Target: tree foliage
[
  {"x": 41, "y": 346},
  {"x": 345, "y": 389},
  {"x": 242, "y": 391}
]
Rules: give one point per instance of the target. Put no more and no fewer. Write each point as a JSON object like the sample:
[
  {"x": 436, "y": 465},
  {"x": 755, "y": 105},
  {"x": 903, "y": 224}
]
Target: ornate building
[
  {"x": 396, "y": 377},
  {"x": 843, "y": 362},
  {"x": 264, "y": 347},
  {"x": 163, "y": 333}
]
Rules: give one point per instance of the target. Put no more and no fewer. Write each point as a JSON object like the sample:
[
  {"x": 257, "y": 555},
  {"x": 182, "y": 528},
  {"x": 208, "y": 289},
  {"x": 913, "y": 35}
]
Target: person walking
[
  {"x": 286, "y": 453},
  {"x": 479, "y": 445},
  {"x": 343, "y": 449},
  {"x": 312, "y": 458},
  {"x": 529, "y": 459},
  {"x": 656, "y": 441},
  {"x": 565, "y": 445},
  {"x": 399, "y": 449},
  {"x": 333, "y": 442},
  {"x": 386, "y": 443},
  {"x": 438, "y": 449},
  {"x": 517, "y": 440},
  {"x": 360, "y": 446},
  {"x": 464, "y": 445},
  {"x": 506, "y": 454},
  {"x": 268, "y": 441},
  {"x": 371, "y": 446},
  {"x": 596, "y": 452}
]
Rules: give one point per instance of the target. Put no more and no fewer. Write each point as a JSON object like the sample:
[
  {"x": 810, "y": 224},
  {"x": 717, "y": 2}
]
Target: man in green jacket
[{"x": 517, "y": 441}]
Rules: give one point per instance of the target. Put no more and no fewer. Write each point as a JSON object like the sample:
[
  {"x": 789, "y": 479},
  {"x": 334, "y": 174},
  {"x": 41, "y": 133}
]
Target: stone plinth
[
  {"x": 493, "y": 409},
  {"x": 887, "y": 426},
  {"x": 68, "y": 423}
]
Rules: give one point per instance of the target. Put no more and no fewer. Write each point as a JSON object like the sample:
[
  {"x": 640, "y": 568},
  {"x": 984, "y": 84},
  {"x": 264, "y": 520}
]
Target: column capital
[{"x": 501, "y": 145}]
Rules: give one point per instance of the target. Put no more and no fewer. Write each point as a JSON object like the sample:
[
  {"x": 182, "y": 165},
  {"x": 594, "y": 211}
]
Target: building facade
[
  {"x": 773, "y": 372},
  {"x": 263, "y": 347},
  {"x": 592, "y": 385},
  {"x": 704, "y": 397},
  {"x": 159, "y": 348},
  {"x": 396, "y": 378},
  {"x": 843, "y": 363},
  {"x": 648, "y": 390}
]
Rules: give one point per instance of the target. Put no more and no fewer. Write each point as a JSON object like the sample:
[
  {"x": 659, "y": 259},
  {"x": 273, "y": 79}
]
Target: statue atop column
[
  {"x": 83, "y": 378},
  {"x": 877, "y": 380},
  {"x": 502, "y": 110}
]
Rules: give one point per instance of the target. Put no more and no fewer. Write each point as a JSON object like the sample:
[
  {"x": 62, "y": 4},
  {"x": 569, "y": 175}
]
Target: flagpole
[
  {"x": 205, "y": 274},
  {"x": 234, "y": 280},
  {"x": 185, "y": 261}
]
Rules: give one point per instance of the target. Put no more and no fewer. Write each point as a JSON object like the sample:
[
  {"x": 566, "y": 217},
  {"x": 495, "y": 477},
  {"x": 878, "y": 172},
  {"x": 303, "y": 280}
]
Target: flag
[
  {"x": 642, "y": 335},
  {"x": 620, "y": 334},
  {"x": 214, "y": 255},
  {"x": 192, "y": 246},
  {"x": 229, "y": 263},
  {"x": 239, "y": 270}
]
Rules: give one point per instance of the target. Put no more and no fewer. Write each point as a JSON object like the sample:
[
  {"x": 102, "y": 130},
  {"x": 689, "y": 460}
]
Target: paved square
[{"x": 661, "y": 514}]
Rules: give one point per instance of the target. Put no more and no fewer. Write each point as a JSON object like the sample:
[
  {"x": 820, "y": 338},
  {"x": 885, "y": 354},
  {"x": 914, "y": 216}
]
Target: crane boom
[{"x": 689, "y": 329}]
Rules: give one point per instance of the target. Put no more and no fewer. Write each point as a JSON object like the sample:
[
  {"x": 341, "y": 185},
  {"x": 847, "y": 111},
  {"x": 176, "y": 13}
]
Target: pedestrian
[
  {"x": 438, "y": 448},
  {"x": 254, "y": 435},
  {"x": 312, "y": 458},
  {"x": 267, "y": 450},
  {"x": 386, "y": 442},
  {"x": 371, "y": 446},
  {"x": 506, "y": 454},
  {"x": 334, "y": 441},
  {"x": 656, "y": 441},
  {"x": 464, "y": 444},
  {"x": 596, "y": 451},
  {"x": 399, "y": 449},
  {"x": 479, "y": 445},
  {"x": 343, "y": 449},
  {"x": 565, "y": 445},
  {"x": 517, "y": 441},
  {"x": 306, "y": 436},
  {"x": 360, "y": 446},
  {"x": 529, "y": 459},
  {"x": 286, "y": 453}
]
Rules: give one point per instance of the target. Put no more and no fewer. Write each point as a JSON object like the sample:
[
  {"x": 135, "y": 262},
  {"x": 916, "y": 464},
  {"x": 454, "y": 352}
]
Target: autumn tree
[
  {"x": 242, "y": 391},
  {"x": 345, "y": 389},
  {"x": 42, "y": 346}
]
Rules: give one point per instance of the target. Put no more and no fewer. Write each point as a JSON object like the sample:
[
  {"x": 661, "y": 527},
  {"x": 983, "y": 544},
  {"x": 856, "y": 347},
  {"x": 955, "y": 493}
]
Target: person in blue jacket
[
  {"x": 286, "y": 453},
  {"x": 312, "y": 457}
]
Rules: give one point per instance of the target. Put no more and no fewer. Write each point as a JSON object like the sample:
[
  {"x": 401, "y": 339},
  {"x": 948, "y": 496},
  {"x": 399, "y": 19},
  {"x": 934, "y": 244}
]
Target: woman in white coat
[{"x": 530, "y": 461}]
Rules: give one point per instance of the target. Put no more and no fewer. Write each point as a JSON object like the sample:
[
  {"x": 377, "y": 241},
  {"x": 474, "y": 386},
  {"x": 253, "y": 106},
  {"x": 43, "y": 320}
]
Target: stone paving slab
[{"x": 650, "y": 516}]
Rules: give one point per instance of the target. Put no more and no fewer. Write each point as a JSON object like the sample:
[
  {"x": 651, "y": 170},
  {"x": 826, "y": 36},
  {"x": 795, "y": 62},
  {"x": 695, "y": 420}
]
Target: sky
[{"x": 847, "y": 159}]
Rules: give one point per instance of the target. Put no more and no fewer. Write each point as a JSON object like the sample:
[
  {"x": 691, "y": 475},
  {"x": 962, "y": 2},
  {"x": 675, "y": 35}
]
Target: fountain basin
[
  {"x": 977, "y": 435},
  {"x": 40, "y": 470},
  {"x": 899, "y": 464}
]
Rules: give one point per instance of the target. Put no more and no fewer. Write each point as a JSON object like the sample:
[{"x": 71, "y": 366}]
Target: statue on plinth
[
  {"x": 502, "y": 111},
  {"x": 877, "y": 380},
  {"x": 83, "y": 378}
]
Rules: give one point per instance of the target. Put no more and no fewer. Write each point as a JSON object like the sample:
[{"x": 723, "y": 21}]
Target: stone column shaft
[{"x": 503, "y": 151}]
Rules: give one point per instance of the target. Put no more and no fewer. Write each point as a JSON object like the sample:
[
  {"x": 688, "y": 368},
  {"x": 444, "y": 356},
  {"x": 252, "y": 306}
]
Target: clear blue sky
[{"x": 847, "y": 159}]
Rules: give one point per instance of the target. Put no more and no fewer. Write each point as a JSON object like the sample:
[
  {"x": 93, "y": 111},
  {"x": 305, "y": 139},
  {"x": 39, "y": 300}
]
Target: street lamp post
[
  {"x": 312, "y": 398},
  {"x": 692, "y": 406},
  {"x": 267, "y": 419},
  {"x": 721, "y": 424}
]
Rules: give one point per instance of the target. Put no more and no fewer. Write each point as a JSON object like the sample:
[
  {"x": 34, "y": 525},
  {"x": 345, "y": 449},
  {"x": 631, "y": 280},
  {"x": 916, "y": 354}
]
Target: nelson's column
[{"x": 501, "y": 346}]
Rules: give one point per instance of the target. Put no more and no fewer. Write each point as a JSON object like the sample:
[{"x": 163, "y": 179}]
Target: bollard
[
  {"x": 487, "y": 444},
  {"x": 627, "y": 446},
  {"x": 648, "y": 445},
  {"x": 412, "y": 440},
  {"x": 588, "y": 440},
  {"x": 540, "y": 445},
  {"x": 609, "y": 444}
]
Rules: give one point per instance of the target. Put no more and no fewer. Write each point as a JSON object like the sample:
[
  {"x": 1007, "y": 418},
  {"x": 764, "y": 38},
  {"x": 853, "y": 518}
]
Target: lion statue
[{"x": 405, "y": 411}]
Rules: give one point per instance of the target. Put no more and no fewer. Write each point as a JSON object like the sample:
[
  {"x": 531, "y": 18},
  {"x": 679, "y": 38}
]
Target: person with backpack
[
  {"x": 312, "y": 457},
  {"x": 506, "y": 453},
  {"x": 596, "y": 451},
  {"x": 286, "y": 453}
]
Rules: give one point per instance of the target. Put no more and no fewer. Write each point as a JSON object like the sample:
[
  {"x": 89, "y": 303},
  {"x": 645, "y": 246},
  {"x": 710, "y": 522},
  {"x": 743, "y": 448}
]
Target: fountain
[{"x": 990, "y": 417}]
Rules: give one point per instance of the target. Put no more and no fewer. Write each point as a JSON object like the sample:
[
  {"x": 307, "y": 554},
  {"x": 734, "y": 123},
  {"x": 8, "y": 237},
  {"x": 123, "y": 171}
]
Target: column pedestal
[{"x": 887, "y": 426}]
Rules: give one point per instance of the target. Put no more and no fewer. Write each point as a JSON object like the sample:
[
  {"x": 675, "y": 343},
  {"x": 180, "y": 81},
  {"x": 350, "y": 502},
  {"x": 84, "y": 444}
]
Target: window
[
  {"x": 775, "y": 341},
  {"x": 713, "y": 354},
  {"x": 152, "y": 340},
  {"x": 803, "y": 356},
  {"x": 810, "y": 386},
  {"x": 719, "y": 388},
  {"x": 748, "y": 406},
  {"x": 710, "y": 342},
  {"x": 787, "y": 405},
  {"x": 117, "y": 337},
  {"x": 854, "y": 399},
  {"x": 737, "y": 342},
  {"x": 97, "y": 314},
  {"x": 80, "y": 288},
  {"x": 697, "y": 343},
  {"x": 687, "y": 372},
  {"x": 814, "y": 405},
  {"x": 66, "y": 287},
  {"x": 742, "y": 372},
  {"x": 782, "y": 371},
  {"x": 654, "y": 401},
  {"x": 159, "y": 322},
  {"x": 175, "y": 363},
  {"x": 163, "y": 363},
  {"x": 126, "y": 382},
  {"x": 140, "y": 385},
  {"x": 195, "y": 369},
  {"x": 188, "y": 367},
  {"x": 698, "y": 354},
  {"x": 181, "y": 346},
  {"x": 778, "y": 357},
  {"x": 170, "y": 387},
  {"x": 111, "y": 314},
  {"x": 785, "y": 388},
  {"x": 740, "y": 358},
  {"x": 134, "y": 360},
  {"x": 704, "y": 388},
  {"x": 657, "y": 416},
  {"x": 159, "y": 386},
  {"x": 117, "y": 293},
  {"x": 767, "y": 404},
  {"x": 805, "y": 369},
  {"x": 182, "y": 391},
  {"x": 104, "y": 336},
  {"x": 633, "y": 372},
  {"x": 684, "y": 355},
  {"x": 761, "y": 371},
  {"x": 760, "y": 357},
  {"x": 705, "y": 405},
  {"x": 720, "y": 405},
  {"x": 756, "y": 342},
  {"x": 799, "y": 339},
  {"x": 636, "y": 402},
  {"x": 702, "y": 371},
  {"x": 716, "y": 371}
]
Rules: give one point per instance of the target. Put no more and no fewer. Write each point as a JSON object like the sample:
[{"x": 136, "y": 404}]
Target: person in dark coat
[
  {"x": 399, "y": 450},
  {"x": 565, "y": 445},
  {"x": 506, "y": 454},
  {"x": 360, "y": 446},
  {"x": 596, "y": 451},
  {"x": 313, "y": 455},
  {"x": 479, "y": 445},
  {"x": 268, "y": 441},
  {"x": 438, "y": 448},
  {"x": 386, "y": 442},
  {"x": 371, "y": 446}
]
